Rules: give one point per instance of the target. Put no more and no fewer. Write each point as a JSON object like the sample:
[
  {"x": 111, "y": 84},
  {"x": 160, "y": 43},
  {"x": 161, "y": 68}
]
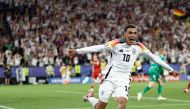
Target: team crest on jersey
[
  {"x": 134, "y": 51},
  {"x": 121, "y": 50}
]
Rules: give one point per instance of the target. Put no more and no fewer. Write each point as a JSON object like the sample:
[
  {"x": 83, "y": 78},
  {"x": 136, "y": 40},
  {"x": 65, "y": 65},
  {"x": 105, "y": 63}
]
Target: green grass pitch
[{"x": 70, "y": 97}]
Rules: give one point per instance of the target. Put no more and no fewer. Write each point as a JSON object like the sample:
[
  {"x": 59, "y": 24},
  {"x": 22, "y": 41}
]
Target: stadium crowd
[{"x": 42, "y": 30}]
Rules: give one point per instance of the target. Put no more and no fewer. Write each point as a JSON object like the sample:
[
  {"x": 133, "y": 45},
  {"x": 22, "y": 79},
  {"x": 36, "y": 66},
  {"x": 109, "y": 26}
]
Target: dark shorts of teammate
[
  {"x": 140, "y": 71},
  {"x": 7, "y": 75}
]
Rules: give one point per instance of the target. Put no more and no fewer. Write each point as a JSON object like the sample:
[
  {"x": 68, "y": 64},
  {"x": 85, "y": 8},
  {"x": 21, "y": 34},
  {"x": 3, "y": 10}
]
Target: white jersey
[
  {"x": 123, "y": 57},
  {"x": 121, "y": 61}
]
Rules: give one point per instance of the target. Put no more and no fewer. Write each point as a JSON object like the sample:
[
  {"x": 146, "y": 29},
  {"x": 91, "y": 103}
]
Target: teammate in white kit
[{"x": 124, "y": 52}]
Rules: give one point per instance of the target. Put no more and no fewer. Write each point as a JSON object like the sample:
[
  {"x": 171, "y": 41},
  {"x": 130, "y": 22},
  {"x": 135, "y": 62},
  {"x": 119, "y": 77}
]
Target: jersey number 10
[{"x": 126, "y": 57}]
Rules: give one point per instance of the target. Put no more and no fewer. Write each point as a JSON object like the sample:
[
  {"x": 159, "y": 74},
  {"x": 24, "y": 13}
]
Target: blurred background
[{"x": 35, "y": 34}]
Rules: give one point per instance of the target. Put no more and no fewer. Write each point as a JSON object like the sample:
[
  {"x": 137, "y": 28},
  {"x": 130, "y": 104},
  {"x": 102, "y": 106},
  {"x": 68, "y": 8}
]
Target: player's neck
[{"x": 128, "y": 45}]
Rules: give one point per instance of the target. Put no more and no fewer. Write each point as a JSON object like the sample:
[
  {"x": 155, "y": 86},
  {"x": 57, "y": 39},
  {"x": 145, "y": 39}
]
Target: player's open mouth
[{"x": 132, "y": 40}]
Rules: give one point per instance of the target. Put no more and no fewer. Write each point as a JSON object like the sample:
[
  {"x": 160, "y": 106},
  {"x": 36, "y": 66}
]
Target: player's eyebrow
[{"x": 130, "y": 32}]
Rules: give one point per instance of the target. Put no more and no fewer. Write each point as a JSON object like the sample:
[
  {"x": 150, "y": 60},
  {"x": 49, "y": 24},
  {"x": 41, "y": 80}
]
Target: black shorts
[
  {"x": 8, "y": 75},
  {"x": 140, "y": 71}
]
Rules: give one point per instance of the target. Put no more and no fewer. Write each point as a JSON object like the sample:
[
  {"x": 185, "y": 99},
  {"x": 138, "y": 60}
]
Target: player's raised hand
[{"x": 72, "y": 52}]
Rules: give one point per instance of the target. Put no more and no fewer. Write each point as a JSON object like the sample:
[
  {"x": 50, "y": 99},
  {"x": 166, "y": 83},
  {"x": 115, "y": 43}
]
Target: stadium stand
[{"x": 38, "y": 32}]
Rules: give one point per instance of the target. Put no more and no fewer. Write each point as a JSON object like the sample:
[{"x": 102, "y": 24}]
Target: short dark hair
[{"x": 130, "y": 26}]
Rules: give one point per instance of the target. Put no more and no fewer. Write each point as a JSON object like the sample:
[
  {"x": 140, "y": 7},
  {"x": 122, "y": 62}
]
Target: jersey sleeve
[
  {"x": 108, "y": 46},
  {"x": 154, "y": 58},
  {"x": 90, "y": 49},
  {"x": 111, "y": 44},
  {"x": 143, "y": 49}
]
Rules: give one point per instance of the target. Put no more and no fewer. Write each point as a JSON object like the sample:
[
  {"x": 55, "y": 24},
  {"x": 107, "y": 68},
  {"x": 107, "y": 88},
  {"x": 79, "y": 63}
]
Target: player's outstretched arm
[
  {"x": 157, "y": 60},
  {"x": 90, "y": 49}
]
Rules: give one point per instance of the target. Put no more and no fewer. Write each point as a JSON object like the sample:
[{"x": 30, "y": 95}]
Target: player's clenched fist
[
  {"x": 72, "y": 52},
  {"x": 175, "y": 73}
]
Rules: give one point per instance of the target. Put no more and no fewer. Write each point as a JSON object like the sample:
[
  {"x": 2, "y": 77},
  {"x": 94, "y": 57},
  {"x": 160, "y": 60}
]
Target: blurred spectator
[
  {"x": 139, "y": 69},
  {"x": 50, "y": 71},
  {"x": 42, "y": 30},
  {"x": 20, "y": 77},
  {"x": 1, "y": 59},
  {"x": 65, "y": 72},
  {"x": 7, "y": 73}
]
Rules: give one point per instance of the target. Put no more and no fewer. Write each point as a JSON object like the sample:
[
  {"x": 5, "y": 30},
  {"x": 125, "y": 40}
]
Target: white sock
[{"x": 93, "y": 101}]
